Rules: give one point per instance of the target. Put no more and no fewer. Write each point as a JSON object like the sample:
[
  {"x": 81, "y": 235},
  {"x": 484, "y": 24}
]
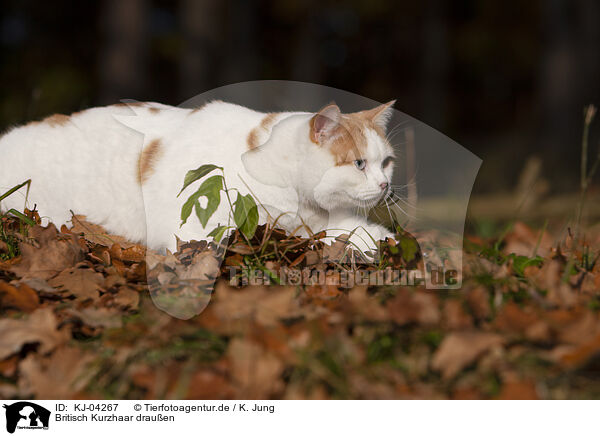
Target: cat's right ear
[{"x": 324, "y": 122}]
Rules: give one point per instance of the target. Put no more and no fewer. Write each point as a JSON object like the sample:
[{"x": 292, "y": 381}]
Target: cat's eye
[
  {"x": 360, "y": 164},
  {"x": 387, "y": 161}
]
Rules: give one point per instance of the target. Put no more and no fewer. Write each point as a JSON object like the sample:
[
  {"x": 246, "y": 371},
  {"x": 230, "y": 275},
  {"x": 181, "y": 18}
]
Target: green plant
[
  {"x": 7, "y": 233},
  {"x": 243, "y": 210},
  {"x": 15, "y": 212}
]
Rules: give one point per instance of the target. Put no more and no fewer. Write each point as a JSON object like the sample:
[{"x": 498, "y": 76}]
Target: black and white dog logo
[{"x": 26, "y": 415}]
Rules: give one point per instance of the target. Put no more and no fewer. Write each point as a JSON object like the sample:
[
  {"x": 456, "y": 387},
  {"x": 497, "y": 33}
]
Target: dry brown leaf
[
  {"x": 459, "y": 350},
  {"x": 127, "y": 298},
  {"x": 99, "y": 317},
  {"x": 8, "y": 367},
  {"x": 204, "y": 266},
  {"x": 24, "y": 298},
  {"x": 208, "y": 384},
  {"x": 41, "y": 286},
  {"x": 255, "y": 370},
  {"x": 578, "y": 356},
  {"x": 455, "y": 317},
  {"x": 336, "y": 251},
  {"x": 514, "y": 319},
  {"x": 366, "y": 306},
  {"x": 135, "y": 253},
  {"x": 264, "y": 304},
  {"x": 550, "y": 278},
  {"x": 82, "y": 283},
  {"x": 414, "y": 306},
  {"x": 53, "y": 255},
  {"x": 39, "y": 327},
  {"x": 584, "y": 327},
  {"x": 478, "y": 300},
  {"x": 60, "y": 376},
  {"x": 97, "y": 234},
  {"x": 521, "y": 390}
]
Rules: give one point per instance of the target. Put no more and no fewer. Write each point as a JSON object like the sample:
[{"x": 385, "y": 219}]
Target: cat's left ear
[
  {"x": 324, "y": 123},
  {"x": 381, "y": 115}
]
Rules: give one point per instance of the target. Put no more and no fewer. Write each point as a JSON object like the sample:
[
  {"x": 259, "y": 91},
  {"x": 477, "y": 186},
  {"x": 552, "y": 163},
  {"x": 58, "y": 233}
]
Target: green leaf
[
  {"x": 522, "y": 262},
  {"x": 245, "y": 214},
  {"x": 409, "y": 248},
  {"x": 218, "y": 232},
  {"x": 22, "y": 217},
  {"x": 211, "y": 189},
  {"x": 197, "y": 174},
  {"x": 16, "y": 188}
]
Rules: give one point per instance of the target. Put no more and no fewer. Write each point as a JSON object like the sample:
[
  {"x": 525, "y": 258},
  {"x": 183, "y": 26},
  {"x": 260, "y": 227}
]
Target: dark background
[{"x": 506, "y": 79}]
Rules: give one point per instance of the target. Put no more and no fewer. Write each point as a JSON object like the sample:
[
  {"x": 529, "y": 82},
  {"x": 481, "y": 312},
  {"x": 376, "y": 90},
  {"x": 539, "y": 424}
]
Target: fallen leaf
[
  {"x": 478, "y": 301},
  {"x": 459, "y": 350},
  {"x": 366, "y": 306},
  {"x": 39, "y": 327},
  {"x": 82, "y": 283},
  {"x": 24, "y": 298},
  {"x": 255, "y": 370},
  {"x": 522, "y": 390},
  {"x": 61, "y": 376},
  {"x": 514, "y": 319},
  {"x": 8, "y": 367},
  {"x": 96, "y": 234},
  {"x": 263, "y": 304},
  {"x": 455, "y": 317},
  {"x": 204, "y": 266},
  {"x": 208, "y": 384},
  {"x": 127, "y": 298},
  {"x": 55, "y": 253},
  {"x": 414, "y": 306},
  {"x": 578, "y": 356},
  {"x": 98, "y": 317}
]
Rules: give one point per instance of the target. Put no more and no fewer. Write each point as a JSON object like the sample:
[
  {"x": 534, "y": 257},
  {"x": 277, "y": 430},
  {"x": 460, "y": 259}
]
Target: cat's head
[
  {"x": 357, "y": 159},
  {"x": 333, "y": 159}
]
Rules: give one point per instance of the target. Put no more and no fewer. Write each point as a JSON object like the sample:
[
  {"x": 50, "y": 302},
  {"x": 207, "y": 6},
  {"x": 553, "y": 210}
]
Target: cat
[{"x": 122, "y": 167}]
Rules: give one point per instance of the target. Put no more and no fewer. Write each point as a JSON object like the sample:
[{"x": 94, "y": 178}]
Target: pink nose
[{"x": 384, "y": 185}]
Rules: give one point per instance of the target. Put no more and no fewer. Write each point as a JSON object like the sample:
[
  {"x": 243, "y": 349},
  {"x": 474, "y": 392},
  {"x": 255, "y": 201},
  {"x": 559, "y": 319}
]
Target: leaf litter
[{"x": 79, "y": 320}]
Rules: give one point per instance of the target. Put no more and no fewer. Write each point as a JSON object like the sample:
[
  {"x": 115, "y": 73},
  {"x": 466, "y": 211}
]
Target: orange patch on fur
[
  {"x": 348, "y": 141},
  {"x": 265, "y": 125},
  {"x": 148, "y": 158},
  {"x": 252, "y": 139},
  {"x": 57, "y": 120},
  {"x": 154, "y": 110},
  {"x": 268, "y": 121}
]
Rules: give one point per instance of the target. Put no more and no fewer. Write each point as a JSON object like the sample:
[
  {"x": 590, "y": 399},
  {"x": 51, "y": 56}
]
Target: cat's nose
[{"x": 384, "y": 185}]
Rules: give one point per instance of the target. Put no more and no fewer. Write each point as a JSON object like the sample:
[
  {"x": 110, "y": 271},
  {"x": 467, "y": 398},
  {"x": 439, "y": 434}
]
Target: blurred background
[{"x": 507, "y": 80}]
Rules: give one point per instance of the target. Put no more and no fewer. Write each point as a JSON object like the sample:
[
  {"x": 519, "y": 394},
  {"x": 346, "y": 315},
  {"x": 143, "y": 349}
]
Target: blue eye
[{"x": 360, "y": 164}]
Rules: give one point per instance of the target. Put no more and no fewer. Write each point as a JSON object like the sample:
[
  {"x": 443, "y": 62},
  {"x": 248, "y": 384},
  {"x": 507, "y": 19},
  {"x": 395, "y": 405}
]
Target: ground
[{"x": 79, "y": 320}]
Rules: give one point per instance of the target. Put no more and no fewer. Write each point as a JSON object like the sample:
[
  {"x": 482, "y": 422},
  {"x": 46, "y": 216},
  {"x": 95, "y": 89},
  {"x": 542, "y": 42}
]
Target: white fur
[{"x": 90, "y": 166}]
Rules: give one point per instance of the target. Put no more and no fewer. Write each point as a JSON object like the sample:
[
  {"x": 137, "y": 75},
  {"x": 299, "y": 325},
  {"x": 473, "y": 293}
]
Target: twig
[{"x": 588, "y": 116}]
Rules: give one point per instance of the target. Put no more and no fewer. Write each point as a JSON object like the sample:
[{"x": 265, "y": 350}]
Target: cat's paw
[
  {"x": 364, "y": 238},
  {"x": 367, "y": 238}
]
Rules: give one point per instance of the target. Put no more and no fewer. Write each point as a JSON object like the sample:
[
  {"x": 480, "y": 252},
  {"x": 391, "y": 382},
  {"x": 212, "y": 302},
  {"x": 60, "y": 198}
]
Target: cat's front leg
[{"x": 363, "y": 235}]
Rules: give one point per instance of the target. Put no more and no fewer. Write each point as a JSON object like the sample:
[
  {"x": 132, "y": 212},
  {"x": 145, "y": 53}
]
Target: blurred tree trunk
[
  {"x": 559, "y": 81},
  {"x": 122, "y": 72},
  {"x": 434, "y": 64},
  {"x": 200, "y": 26},
  {"x": 569, "y": 75}
]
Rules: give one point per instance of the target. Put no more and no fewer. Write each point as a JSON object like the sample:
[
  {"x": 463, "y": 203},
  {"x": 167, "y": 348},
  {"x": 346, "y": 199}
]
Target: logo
[{"x": 26, "y": 415}]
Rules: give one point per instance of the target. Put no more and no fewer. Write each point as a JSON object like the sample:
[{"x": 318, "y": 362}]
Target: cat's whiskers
[{"x": 395, "y": 203}]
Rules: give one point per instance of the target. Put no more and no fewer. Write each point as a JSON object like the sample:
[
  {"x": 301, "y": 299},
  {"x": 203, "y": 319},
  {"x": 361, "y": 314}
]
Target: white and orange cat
[{"x": 122, "y": 167}]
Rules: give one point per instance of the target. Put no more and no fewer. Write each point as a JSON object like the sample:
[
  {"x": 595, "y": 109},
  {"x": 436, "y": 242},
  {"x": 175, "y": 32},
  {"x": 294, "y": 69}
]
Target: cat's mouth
[{"x": 372, "y": 199}]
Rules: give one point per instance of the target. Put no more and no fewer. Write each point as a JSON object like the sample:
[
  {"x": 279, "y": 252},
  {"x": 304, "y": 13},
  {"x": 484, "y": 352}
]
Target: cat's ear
[
  {"x": 382, "y": 114},
  {"x": 324, "y": 122}
]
